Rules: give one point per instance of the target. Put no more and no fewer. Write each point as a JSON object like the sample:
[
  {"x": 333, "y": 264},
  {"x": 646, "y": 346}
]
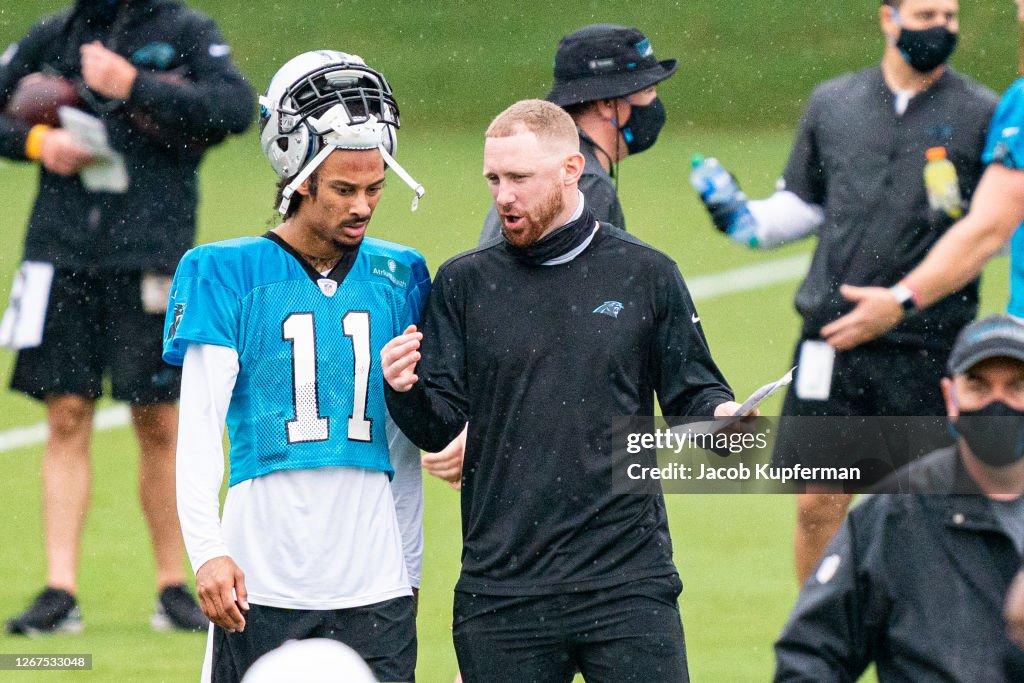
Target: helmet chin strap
[
  {"x": 287, "y": 192},
  {"x": 404, "y": 175},
  {"x": 339, "y": 133}
]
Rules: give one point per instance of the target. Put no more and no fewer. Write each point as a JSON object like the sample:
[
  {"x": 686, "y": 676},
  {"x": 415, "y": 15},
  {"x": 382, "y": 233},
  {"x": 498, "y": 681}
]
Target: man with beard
[
  {"x": 539, "y": 340},
  {"x": 606, "y": 78},
  {"x": 98, "y": 261},
  {"x": 915, "y": 583}
]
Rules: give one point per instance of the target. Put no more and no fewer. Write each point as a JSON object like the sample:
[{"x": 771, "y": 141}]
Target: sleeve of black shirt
[
  {"x": 805, "y": 174},
  {"x": 433, "y": 412},
  {"x": 19, "y": 60},
  {"x": 602, "y": 199},
  {"x": 686, "y": 379},
  {"x": 832, "y": 630},
  {"x": 213, "y": 101}
]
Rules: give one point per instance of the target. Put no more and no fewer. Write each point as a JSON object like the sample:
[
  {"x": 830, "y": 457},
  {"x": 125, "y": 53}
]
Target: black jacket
[
  {"x": 153, "y": 223},
  {"x": 540, "y": 360},
  {"x": 864, "y": 164},
  {"x": 912, "y": 582}
]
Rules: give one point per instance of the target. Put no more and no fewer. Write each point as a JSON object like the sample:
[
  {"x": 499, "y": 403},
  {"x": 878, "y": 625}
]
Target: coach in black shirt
[{"x": 538, "y": 341}]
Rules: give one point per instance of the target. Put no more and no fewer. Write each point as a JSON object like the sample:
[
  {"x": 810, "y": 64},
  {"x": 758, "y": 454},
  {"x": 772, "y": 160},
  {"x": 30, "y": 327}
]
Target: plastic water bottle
[
  {"x": 941, "y": 183},
  {"x": 724, "y": 200}
]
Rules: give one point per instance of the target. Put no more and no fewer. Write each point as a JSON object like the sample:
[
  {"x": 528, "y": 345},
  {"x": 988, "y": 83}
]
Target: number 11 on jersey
[{"x": 309, "y": 425}]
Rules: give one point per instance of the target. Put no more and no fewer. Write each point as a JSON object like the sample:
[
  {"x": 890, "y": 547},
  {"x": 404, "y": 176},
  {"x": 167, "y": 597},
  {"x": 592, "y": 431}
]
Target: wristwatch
[{"x": 905, "y": 298}]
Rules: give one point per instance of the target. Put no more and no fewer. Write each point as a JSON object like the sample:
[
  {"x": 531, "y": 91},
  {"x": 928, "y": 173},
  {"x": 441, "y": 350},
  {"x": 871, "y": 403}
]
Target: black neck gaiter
[{"x": 559, "y": 242}]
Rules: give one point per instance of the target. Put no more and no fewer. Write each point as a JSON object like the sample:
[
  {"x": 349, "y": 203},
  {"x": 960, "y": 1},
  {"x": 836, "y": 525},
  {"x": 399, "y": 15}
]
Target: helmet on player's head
[{"x": 321, "y": 101}]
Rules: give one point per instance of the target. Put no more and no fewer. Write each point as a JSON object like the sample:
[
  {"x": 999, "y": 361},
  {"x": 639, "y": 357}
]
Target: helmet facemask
[{"x": 340, "y": 104}]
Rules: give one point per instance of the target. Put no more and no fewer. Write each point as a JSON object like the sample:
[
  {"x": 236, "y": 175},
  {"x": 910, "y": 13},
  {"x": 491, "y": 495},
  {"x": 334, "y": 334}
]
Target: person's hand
[
  {"x": 107, "y": 72},
  {"x": 447, "y": 464},
  {"x": 398, "y": 359},
  {"x": 729, "y": 408},
  {"x": 1013, "y": 610},
  {"x": 876, "y": 312},
  {"x": 60, "y": 154},
  {"x": 220, "y": 585}
]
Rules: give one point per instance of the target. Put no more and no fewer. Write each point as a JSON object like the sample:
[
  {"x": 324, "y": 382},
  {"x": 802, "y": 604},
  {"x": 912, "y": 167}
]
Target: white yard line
[
  {"x": 702, "y": 288},
  {"x": 749, "y": 277}
]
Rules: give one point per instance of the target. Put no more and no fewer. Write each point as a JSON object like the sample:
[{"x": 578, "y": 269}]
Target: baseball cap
[
  {"x": 603, "y": 61},
  {"x": 997, "y": 336}
]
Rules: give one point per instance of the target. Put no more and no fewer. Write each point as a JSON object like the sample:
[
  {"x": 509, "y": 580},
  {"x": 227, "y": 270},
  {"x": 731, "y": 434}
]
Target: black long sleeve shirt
[{"x": 539, "y": 360}]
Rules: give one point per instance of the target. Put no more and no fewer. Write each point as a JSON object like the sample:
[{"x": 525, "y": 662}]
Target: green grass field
[
  {"x": 732, "y": 551},
  {"x": 745, "y": 76}
]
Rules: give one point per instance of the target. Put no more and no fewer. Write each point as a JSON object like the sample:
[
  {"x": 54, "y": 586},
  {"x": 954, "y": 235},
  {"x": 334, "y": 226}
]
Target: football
[{"x": 37, "y": 97}]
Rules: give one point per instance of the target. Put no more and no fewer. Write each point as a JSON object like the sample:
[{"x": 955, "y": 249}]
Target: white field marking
[
  {"x": 702, "y": 288},
  {"x": 33, "y": 435},
  {"x": 744, "y": 279}
]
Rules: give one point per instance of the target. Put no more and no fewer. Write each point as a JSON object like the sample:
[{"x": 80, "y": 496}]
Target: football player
[{"x": 279, "y": 336}]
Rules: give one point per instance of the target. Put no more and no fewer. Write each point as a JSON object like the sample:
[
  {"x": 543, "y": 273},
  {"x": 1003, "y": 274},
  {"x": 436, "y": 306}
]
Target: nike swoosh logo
[{"x": 695, "y": 319}]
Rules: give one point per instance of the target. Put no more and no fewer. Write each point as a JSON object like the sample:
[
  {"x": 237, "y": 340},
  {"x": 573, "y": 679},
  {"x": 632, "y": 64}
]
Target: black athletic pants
[{"x": 623, "y": 634}]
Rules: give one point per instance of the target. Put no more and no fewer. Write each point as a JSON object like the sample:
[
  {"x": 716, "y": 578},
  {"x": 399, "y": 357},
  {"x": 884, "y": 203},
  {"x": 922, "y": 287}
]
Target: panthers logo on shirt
[{"x": 610, "y": 308}]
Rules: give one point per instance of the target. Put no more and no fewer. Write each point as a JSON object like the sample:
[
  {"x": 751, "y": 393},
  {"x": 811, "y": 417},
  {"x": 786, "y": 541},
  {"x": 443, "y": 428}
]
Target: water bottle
[
  {"x": 724, "y": 199},
  {"x": 941, "y": 183}
]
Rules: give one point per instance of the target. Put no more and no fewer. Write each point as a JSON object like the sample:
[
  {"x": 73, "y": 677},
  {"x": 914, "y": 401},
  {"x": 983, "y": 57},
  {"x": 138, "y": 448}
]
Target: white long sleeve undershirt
[
  {"x": 783, "y": 218},
  {"x": 274, "y": 526}
]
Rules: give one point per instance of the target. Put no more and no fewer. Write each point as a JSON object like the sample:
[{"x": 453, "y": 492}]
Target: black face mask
[
  {"x": 995, "y": 433},
  {"x": 644, "y": 124},
  {"x": 928, "y": 48}
]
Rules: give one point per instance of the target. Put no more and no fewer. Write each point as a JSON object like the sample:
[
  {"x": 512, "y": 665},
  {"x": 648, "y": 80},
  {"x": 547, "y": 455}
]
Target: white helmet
[
  {"x": 314, "y": 660},
  {"x": 326, "y": 100}
]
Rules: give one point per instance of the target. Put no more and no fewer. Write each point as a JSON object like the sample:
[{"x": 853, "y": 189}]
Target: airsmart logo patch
[
  {"x": 179, "y": 311},
  {"x": 610, "y": 308},
  {"x": 396, "y": 273}
]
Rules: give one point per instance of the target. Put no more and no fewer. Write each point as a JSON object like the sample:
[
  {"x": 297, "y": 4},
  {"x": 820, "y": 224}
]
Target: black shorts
[
  {"x": 627, "y": 633},
  {"x": 384, "y": 635},
  {"x": 878, "y": 381},
  {"x": 95, "y": 323}
]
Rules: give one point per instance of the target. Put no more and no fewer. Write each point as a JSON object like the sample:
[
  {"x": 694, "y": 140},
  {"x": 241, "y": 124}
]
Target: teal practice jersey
[
  {"x": 310, "y": 391},
  {"x": 1005, "y": 145}
]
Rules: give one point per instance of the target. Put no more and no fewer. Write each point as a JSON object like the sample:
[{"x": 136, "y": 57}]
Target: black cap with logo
[
  {"x": 603, "y": 61},
  {"x": 997, "y": 336}
]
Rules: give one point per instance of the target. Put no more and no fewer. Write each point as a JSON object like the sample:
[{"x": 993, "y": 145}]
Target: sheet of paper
[
  {"x": 713, "y": 426},
  {"x": 107, "y": 173},
  {"x": 764, "y": 392},
  {"x": 23, "y": 321}
]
